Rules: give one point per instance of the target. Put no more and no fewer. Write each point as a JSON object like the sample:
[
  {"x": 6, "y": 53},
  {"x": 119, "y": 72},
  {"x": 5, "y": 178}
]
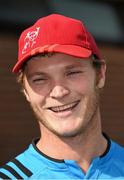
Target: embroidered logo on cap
[{"x": 30, "y": 39}]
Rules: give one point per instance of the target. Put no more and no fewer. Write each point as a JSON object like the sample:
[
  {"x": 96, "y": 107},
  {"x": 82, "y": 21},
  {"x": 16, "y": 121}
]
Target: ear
[
  {"x": 26, "y": 95},
  {"x": 101, "y": 79}
]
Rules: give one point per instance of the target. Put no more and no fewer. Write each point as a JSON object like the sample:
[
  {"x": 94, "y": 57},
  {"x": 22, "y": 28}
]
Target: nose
[{"x": 59, "y": 92}]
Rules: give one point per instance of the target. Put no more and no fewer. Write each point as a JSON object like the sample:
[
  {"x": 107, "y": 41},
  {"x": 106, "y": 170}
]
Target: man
[{"x": 62, "y": 74}]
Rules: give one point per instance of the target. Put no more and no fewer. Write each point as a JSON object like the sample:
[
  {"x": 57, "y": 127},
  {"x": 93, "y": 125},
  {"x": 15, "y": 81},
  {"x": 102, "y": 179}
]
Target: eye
[
  {"x": 71, "y": 73},
  {"x": 39, "y": 80}
]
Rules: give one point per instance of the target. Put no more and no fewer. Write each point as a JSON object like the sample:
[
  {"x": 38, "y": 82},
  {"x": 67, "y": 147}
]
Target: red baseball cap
[{"x": 56, "y": 33}]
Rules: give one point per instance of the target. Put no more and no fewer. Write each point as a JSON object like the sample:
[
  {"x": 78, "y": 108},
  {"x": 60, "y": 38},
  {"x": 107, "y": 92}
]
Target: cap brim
[{"x": 72, "y": 50}]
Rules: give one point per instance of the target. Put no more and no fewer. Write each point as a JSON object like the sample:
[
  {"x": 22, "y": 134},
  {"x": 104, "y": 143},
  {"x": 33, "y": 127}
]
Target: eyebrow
[
  {"x": 36, "y": 74},
  {"x": 73, "y": 66}
]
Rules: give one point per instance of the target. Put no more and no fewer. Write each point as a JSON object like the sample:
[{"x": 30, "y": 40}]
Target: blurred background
[{"x": 104, "y": 19}]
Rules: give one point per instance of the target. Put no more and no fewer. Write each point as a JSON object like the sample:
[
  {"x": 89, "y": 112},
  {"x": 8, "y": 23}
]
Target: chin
[{"x": 67, "y": 133}]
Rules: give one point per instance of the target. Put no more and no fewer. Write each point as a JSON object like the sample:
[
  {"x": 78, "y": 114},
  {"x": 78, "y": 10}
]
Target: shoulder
[
  {"x": 118, "y": 151},
  {"x": 117, "y": 159},
  {"x": 17, "y": 168},
  {"x": 23, "y": 166}
]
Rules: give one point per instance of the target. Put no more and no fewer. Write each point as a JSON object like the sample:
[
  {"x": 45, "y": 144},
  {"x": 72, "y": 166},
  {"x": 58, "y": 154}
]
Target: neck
[{"x": 81, "y": 148}]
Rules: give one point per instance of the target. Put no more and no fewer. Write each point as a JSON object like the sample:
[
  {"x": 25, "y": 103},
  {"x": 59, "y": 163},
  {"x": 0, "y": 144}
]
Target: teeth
[{"x": 63, "y": 108}]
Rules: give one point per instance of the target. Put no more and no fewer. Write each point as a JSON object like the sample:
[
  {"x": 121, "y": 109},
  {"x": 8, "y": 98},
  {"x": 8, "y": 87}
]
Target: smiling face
[{"x": 62, "y": 92}]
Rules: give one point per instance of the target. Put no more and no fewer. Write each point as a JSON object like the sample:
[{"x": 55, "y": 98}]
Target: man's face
[{"x": 62, "y": 92}]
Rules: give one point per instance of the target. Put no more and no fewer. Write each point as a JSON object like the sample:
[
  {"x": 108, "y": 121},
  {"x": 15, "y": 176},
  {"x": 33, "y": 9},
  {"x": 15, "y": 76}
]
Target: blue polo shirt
[{"x": 33, "y": 164}]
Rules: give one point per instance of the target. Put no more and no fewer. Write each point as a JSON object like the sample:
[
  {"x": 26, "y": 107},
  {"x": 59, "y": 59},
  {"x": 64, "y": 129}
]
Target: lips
[{"x": 63, "y": 108}]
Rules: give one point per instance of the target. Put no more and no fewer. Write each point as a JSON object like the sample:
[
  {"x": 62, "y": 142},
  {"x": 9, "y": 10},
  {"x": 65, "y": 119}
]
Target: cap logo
[{"x": 30, "y": 39}]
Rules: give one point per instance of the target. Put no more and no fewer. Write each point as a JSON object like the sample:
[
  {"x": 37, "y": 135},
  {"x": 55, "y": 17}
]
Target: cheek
[
  {"x": 38, "y": 100},
  {"x": 40, "y": 89},
  {"x": 34, "y": 98},
  {"x": 84, "y": 85}
]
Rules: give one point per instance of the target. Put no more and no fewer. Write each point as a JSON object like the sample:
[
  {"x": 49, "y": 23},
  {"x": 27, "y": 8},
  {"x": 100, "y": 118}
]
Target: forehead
[{"x": 55, "y": 61}]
